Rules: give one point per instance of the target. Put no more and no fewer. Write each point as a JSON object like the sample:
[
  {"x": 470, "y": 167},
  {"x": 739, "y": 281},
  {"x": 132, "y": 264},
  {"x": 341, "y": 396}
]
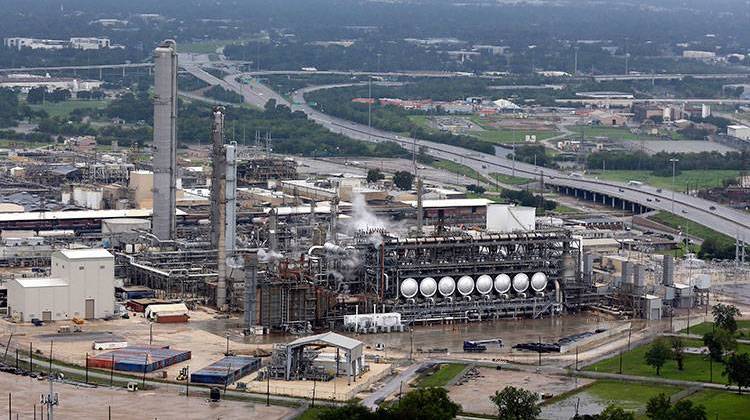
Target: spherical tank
[
  {"x": 428, "y": 287},
  {"x": 538, "y": 282},
  {"x": 465, "y": 285},
  {"x": 502, "y": 283},
  {"x": 520, "y": 282},
  {"x": 484, "y": 284},
  {"x": 409, "y": 288},
  {"x": 447, "y": 286}
]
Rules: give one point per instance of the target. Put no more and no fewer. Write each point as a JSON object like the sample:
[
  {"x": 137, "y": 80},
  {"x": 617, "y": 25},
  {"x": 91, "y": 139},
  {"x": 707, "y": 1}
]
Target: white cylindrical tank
[
  {"x": 465, "y": 285},
  {"x": 428, "y": 287},
  {"x": 502, "y": 283},
  {"x": 484, "y": 284},
  {"x": 538, "y": 282},
  {"x": 520, "y": 282},
  {"x": 409, "y": 288},
  {"x": 446, "y": 286}
]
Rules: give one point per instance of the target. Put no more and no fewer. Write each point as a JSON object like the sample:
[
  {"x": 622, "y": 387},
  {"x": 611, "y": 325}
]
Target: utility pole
[{"x": 674, "y": 162}]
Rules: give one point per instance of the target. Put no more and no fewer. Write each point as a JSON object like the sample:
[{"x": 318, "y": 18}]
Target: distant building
[
  {"x": 739, "y": 131},
  {"x": 26, "y": 82},
  {"x": 699, "y": 55},
  {"x": 81, "y": 286},
  {"x": 80, "y": 43}
]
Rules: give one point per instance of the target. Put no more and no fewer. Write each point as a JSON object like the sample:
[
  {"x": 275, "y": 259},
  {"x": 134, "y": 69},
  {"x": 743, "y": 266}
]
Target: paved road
[
  {"x": 720, "y": 218},
  {"x": 392, "y": 385},
  {"x": 93, "y": 67}
]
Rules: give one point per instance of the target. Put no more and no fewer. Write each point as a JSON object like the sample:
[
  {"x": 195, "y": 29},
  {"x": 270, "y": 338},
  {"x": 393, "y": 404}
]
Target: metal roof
[
  {"x": 459, "y": 202},
  {"x": 83, "y": 214},
  {"x": 85, "y": 253},
  {"x": 28, "y": 283},
  {"x": 331, "y": 338}
]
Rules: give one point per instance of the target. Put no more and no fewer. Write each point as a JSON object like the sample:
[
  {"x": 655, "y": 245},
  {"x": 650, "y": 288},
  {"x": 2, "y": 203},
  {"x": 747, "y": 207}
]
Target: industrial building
[{"x": 81, "y": 285}]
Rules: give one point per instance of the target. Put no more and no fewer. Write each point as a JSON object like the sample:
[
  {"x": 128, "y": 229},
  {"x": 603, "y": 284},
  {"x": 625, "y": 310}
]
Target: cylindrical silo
[
  {"x": 409, "y": 288},
  {"x": 428, "y": 287},
  {"x": 539, "y": 282},
  {"x": 502, "y": 283},
  {"x": 484, "y": 284},
  {"x": 520, "y": 282},
  {"x": 446, "y": 286},
  {"x": 465, "y": 285}
]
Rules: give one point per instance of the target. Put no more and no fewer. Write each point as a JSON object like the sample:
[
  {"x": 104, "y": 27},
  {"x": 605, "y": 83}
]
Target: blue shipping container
[{"x": 226, "y": 371}]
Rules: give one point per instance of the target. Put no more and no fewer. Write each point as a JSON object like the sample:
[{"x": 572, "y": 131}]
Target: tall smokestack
[
  {"x": 231, "y": 197},
  {"x": 165, "y": 140},
  {"x": 219, "y": 203}
]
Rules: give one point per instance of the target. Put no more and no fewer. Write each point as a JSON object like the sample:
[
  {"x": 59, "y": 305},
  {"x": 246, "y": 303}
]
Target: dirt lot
[
  {"x": 90, "y": 403},
  {"x": 474, "y": 395}
]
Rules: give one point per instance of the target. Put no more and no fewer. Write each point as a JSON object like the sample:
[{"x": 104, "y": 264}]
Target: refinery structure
[{"x": 262, "y": 249}]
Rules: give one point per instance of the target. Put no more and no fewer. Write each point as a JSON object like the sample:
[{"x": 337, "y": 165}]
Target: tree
[
  {"x": 613, "y": 412},
  {"x": 660, "y": 408},
  {"x": 403, "y": 180},
  {"x": 657, "y": 355},
  {"x": 423, "y": 404},
  {"x": 36, "y": 95},
  {"x": 724, "y": 316},
  {"x": 516, "y": 404},
  {"x": 737, "y": 370},
  {"x": 678, "y": 352},
  {"x": 718, "y": 343},
  {"x": 374, "y": 175},
  {"x": 348, "y": 411}
]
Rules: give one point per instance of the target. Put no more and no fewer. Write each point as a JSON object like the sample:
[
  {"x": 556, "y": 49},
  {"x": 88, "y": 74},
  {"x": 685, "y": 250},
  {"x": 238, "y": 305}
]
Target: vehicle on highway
[
  {"x": 635, "y": 183},
  {"x": 620, "y": 190},
  {"x": 712, "y": 208},
  {"x": 658, "y": 190},
  {"x": 649, "y": 200},
  {"x": 684, "y": 212},
  {"x": 576, "y": 175},
  {"x": 657, "y": 200}
]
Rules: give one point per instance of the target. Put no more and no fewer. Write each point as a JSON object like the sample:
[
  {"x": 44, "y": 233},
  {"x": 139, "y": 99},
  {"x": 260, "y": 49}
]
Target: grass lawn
[
  {"x": 57, "y": 109},
  {"x": 491, "y": 134},
  {"x": 628, "y": 395},
  {"x": 460, "y": 169},
  {"x": 707, "y": 327},
  {"x": 441, "y": 377},
  {"x": 695, "y": 179},
  {"x": 723, "y": 405},
  {"x": 697, "y": 367},
  {"x": 615, "y": 133},
  {"x": 562, "y": 208},
  {"x": 694, "y": 229},
  {"x": 311, "y": 413},
  {"x": 509, "y": 179}
]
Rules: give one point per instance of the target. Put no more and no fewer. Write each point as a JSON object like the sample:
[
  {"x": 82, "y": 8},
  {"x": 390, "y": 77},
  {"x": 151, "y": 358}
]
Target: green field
[
  {"x": 697, "y": 367},
  {"x": 723, "y": 405},
  {"x": 628, "y": 395},
  {"x": 743, "y": 328},
  {"x": 441, "y": 377},
  {"x": 491, "y": 134},
  {"x": 694, "y": 229},
  {"x": 59, "y": 109},
  {"x": 695, "y": 179},
  {"x": 615, "y": 133},
  {"x": 509, "y": 179},
  {"x": 460, "y": 169}
]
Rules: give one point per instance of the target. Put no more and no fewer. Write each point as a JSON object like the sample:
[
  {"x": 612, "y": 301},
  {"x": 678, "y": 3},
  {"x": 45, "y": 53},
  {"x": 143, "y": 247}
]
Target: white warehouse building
[{"x": 81, "y": 285}]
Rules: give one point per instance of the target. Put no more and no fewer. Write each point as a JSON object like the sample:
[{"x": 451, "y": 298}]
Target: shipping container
[
  {"x": 139, "y": 359},
  {"x": 226, "y": 371}
]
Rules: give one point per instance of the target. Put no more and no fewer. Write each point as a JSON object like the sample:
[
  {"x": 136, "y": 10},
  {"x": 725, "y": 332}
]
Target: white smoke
[
  {"x": 363, "y": 218},
  {"x": 267, "y": 255}
]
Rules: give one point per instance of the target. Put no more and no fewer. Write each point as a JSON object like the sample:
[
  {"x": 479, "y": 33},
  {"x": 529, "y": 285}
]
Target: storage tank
[
  {"x": 484, "y": 284},
  {"x": 428, "y": 287},
  {"x": 446, "y": 286},
  {"x": 520, "y": 282},
  {"x": 538, "y": 282},
  {"x": 502, "y": 283},
  {"x": 465, "y": 285},
  {"x": 409, "y": 288}
]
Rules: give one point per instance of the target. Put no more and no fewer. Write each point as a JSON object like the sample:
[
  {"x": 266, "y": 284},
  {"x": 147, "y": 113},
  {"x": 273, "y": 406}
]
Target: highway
[{"x": 723, "y": 219}]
